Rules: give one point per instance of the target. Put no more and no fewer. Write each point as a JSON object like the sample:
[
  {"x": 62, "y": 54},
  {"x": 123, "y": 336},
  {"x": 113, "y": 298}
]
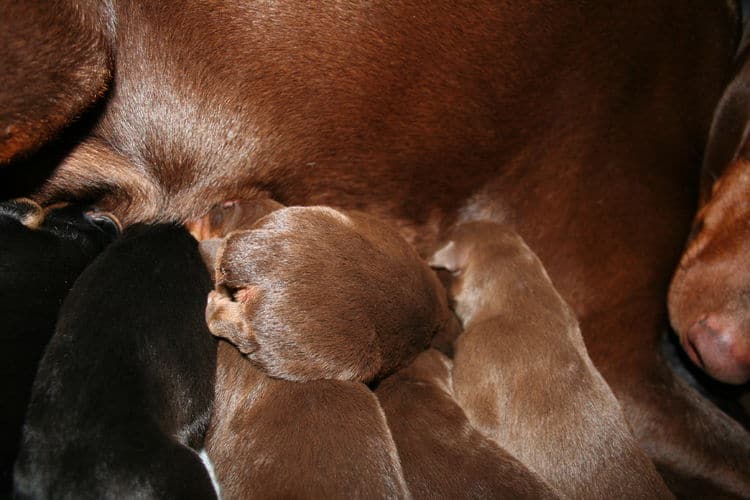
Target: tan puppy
[
  {"x": 443, "y": 456},
  {"x": 311, "y": 293},
  {"x": 272, "y": 438},
  {"x": 523, "y": 375}
]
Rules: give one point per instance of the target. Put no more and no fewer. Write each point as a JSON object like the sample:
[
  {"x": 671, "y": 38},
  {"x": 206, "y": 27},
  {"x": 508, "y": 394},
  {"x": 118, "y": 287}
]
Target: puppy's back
[
  {"x": 126, "y": 381},
  {"x": 443, "y": 456},
  {"x": 274, "y": 438},
  {"x": 525, "y": 379}
]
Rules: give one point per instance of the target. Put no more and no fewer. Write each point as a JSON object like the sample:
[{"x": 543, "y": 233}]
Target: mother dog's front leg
[{"x": 700, "y": 451}]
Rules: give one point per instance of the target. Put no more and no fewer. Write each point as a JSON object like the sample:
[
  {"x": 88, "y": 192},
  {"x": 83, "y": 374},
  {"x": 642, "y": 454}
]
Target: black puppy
[
  {"x": 41, "y": 254},
  {"x": 125, "y": 386}
]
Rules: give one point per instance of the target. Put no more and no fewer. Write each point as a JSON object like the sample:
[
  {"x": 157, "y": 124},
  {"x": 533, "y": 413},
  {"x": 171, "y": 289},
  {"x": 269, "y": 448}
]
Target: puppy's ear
[
  {"x": 449, "y": 257},
  {"x": 209, "y": 250},
  {"x": 226, "y": 319},
  {"x": 55, "y": 64}
]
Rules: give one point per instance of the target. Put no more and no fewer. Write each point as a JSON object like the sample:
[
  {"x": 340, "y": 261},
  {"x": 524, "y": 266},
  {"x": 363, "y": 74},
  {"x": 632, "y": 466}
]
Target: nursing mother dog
[
  {"x": 708, "y": 299},
  {"x": 578, "y": 123}
]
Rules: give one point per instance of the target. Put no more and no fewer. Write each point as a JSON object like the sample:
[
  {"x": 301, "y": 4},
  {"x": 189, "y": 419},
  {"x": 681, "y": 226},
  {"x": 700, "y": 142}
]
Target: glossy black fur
[
  {"x": 125, "y": 386},
  {"x": 37, "y": 269}
]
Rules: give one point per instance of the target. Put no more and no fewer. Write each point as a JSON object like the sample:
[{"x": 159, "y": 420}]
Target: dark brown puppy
[
  {"x": 273, "y": 438},
  {"x": 313, "y": 293},
  {"x": 549, "y": 115},
  {"x": 524, "y": 377},
  {"x": 124, "y": 389},
  {"x": 442, "y": 455}
]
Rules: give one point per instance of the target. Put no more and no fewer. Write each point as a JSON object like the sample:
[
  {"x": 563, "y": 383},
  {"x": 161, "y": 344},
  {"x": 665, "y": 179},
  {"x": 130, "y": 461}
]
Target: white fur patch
[{"x": 210, "y": 468}]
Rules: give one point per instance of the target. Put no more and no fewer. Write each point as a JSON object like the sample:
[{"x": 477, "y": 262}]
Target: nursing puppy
[
  {"x": 312, "y": 293},
  {"x": 41, "y": 254},
  {"x": 273, "y": 438},
  {"x": 222, "y": 220},
  {"x": 124, "y": 388},
  {"x": 442, "y": 455},
  {"x": 523, "y": 375}
]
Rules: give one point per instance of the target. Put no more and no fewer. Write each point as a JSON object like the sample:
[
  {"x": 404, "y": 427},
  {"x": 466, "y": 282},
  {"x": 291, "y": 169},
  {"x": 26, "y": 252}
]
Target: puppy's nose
[{"x": 721, "y": 347}]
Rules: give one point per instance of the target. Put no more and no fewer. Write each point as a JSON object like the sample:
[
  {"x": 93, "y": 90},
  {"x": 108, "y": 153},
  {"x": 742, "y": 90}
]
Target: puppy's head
[
  {"x": 325, "y": 295},
  {"x": 495, "y": 271}
]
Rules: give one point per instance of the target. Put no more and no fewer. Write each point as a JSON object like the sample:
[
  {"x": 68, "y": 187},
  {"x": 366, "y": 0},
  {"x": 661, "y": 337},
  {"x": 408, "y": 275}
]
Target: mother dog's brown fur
[
  {"x": 522, "y": 373},
  {"x": 578, "y": 123}
]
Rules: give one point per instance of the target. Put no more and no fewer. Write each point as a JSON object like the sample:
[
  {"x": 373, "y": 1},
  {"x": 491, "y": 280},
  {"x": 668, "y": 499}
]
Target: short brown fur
[
  {"x": 523, "y": 375},
  {"x": 708, "y": 297},
  {"x": 442, "y": 455},
  {"x": 549, "y": 115},
  {"x": 272, "y": 438},
  {"x": 313, "y": 293}
]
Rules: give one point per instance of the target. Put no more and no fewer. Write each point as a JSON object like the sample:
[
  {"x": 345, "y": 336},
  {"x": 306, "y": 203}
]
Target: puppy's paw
[
  {"x": 26, "y": 211},
  {"x": 226, "y": 318}
]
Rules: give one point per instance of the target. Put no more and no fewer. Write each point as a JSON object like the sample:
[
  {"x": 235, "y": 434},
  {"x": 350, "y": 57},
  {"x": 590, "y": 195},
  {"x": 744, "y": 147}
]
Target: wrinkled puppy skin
[
  {"x": 313, "y": 293},
  {"x": 523, "y": 375},
  {"x": 442, "y": 454}
]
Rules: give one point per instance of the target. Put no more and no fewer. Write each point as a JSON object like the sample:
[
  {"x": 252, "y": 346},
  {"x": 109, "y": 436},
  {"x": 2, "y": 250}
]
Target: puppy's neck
[{"x": 525, "y": 299}]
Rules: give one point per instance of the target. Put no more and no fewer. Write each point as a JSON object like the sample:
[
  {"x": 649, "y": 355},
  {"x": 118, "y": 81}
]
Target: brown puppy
[
  {"x": 312, "y": 293},
  {"x": 524, "y": 377},
  {"x": 442, "y": 455},
  {"x": 272, "y": 438}
]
